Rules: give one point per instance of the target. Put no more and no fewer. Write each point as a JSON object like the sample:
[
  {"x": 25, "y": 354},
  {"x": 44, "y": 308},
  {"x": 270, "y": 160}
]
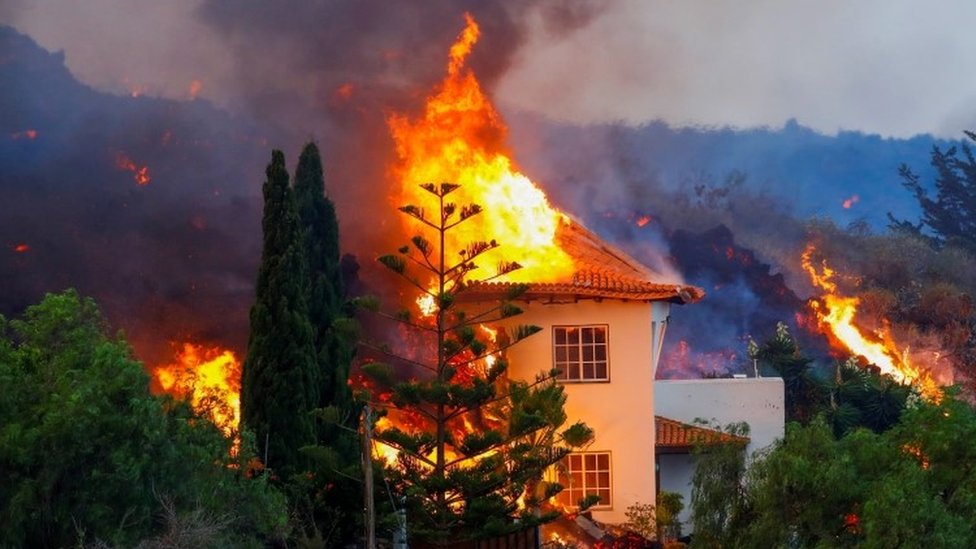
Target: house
[
  {"x": 759, "y": 402},
  {"x": 603, "y": 328}
]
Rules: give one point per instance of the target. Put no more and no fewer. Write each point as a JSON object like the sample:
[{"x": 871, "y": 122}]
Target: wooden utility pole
[{"x": 367, "y": 438}]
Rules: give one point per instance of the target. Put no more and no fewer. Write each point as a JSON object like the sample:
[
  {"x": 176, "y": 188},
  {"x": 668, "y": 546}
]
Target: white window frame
[
  {"x": 592, "y": 477},
  {"x": 576, "y": 359}
]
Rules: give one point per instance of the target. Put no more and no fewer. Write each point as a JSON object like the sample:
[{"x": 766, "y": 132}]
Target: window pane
[
  {"x": 576, "y": 480},
  {"x": 603, "y": 461},
  {"x": 604, "y": 497},
  {"x": 590, "y": 461},
  {"x": 560, "y": 354},
  {"x": 600, "y": 334},
  {"x": 560, "y": 334},
  {"x": 601, "y": 371},
  {"x": 588, "y": 371},
  {"x": 600, "y": 352},
  {"x": 573, "y": 354},
  {"x": 572, "y": 335},
  {"x": 591, "y": 481},
  {"x": 587, "y": 335},
  {"x": 575, "y": 462},
  {"x": 588, "y": 353},
  {"x": 603, "y": 480}
]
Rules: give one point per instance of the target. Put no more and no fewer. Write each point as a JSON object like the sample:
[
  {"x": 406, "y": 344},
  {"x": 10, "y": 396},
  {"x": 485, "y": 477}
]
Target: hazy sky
[{"x": 880, "y": 66}]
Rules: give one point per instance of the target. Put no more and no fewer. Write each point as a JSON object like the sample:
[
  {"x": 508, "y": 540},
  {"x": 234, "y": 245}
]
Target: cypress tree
[
  {"x": 324, "y": 292},
  {"x": 334, "y": 494},
  {"x": 278, "y": 386}
]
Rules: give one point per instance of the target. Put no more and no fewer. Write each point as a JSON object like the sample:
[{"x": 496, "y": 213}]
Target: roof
[
  {"x": 675, "y": 436},
  {"x": 602, "y": 271}
]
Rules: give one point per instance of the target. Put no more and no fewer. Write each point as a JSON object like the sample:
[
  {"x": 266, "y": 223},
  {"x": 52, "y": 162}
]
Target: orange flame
[
  {"x": 141, "y": 175},
  {"x": 837, "y": 314},
  {"x": 21, "y": 248},
  {"x": 460, "y": 138},
  {"x": 643, "y": 220},
  {"x": 210, "y": 378},
  {"x": 854, "y": 199}
]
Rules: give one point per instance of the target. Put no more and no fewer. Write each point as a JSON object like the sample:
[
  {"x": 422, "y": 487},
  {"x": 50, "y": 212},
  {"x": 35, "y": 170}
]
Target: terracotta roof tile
[
  {"x": 601, "y": 271},
  {"x": 670, "y": 433}
]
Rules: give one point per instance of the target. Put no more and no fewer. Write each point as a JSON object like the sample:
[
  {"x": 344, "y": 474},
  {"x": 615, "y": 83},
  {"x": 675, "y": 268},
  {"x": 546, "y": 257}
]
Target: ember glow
[
  {"x": 854, "y": 199},
  {"x": 29, "y": 134},
  {"x": 210, "y": 378},
  {"x": 140, "y": 174},
  {"x": 837, "y": 314},
  {"x": 21, "y": 248},
  {"x": 460, "y": 138}
]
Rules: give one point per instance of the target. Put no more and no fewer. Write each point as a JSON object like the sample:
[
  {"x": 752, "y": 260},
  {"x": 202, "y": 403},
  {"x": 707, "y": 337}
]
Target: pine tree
[
  {"x": 470, "y": 442},
  {"x": 278, "y": 386},
  {"x": 951, "y": 214}
]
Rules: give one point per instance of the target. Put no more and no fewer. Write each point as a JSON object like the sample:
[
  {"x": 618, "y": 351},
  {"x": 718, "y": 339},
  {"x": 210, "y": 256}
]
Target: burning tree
[{"x": 467, "y": 446}]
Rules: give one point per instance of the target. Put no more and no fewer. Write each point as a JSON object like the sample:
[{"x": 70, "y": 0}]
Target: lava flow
[
  {"x": 460, "y": 138},
  {"x": 210, "y": 378},
  {"x": 141, "y": 175},
  {"x": 836, "y": 313}
]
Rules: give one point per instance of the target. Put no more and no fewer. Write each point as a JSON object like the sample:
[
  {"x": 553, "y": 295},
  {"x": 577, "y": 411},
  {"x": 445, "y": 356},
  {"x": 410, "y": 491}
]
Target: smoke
[{"x": 175, "y": 259}]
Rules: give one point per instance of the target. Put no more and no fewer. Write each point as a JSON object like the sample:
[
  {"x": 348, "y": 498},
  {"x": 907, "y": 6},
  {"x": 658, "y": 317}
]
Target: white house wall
[
  {"x": 756, "y": 401},
  {"x": 620, "y": 411}
]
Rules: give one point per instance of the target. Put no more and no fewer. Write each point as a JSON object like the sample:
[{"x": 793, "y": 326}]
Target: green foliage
[
  {"x": 279, "y": 385},
  {"x": 912, "y": 485},
  {"x": 718, "y": 490},
  {"x": 89, "y": 455},
  {"x": 470, "y": 442},
  {"x": 660, "y": 522}
]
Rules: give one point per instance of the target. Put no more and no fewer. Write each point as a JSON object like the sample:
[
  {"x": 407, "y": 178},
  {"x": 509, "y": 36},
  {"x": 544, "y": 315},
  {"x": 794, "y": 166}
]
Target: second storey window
[{"x": 580, "y": 352}]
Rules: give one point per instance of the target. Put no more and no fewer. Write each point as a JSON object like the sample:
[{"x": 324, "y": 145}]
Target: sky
[{"x": 895, "y": 68}]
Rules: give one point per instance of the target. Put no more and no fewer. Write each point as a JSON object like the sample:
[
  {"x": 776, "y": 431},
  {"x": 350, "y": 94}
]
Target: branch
[{"x": 383, "y": 351}]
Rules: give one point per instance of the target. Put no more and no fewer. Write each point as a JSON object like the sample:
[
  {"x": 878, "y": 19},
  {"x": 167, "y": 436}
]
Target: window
[
  {"x": 584, "y": 474},
  {"x": 580, "y": 352}
]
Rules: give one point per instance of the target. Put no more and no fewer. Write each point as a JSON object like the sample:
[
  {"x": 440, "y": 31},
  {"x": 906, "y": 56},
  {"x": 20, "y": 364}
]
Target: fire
[
  {"x": 837, "y": 314},
  {"x": 140, "y": 174},
  {"x": 460, "y": 138},
  {"x": 848, "y": 202},
  {"x": 210, "y": 377},
  {"x": 21, "y": 248},
  {"x": 643, "y": 220}
]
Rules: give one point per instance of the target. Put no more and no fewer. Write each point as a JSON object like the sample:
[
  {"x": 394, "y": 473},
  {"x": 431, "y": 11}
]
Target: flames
[
  {"x": 837, "y": 314},
  {"x": 140, "y": 174},
  {"x": 460, "y": 138},
  {"x": 210, "y": 378}
]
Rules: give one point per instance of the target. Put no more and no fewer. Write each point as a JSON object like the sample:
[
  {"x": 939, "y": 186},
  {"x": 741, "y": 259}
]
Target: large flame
[
  {"x": 210, "y": 378},
  {"x": 837, "y": 313},
  {"x": 460, "y": 138}
]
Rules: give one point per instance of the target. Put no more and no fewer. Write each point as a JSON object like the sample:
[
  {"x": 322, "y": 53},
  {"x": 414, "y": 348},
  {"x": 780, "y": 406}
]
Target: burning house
[{"x": 603, "y": 328}]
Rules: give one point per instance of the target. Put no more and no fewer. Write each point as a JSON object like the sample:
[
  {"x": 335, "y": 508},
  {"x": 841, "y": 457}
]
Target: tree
[
  {"x": 910, "y": 486},
  {"x": 951, "y": 215},
  {"x": 333, "y": 496},
  {"x": 279, "y": 380},
  {"x": 782, "y": 355},
  {"x": 88, "y": 455},
  {"x": 718, "y": 502},
  {"x": 469, "y": 443}
]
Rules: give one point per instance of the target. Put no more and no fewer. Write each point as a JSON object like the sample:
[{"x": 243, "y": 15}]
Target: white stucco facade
[
  {"x": 756, "y": 401},
  {"x": 621, "y": 410}
]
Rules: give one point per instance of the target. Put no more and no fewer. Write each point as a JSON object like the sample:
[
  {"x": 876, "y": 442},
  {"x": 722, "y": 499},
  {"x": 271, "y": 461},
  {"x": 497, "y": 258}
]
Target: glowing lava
[
  {"x": 460, "y": 138},
  {"x": 140, "y": 174},
  {"x": 837, "y": 314},
  {"x": 210, "y": 378}
]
